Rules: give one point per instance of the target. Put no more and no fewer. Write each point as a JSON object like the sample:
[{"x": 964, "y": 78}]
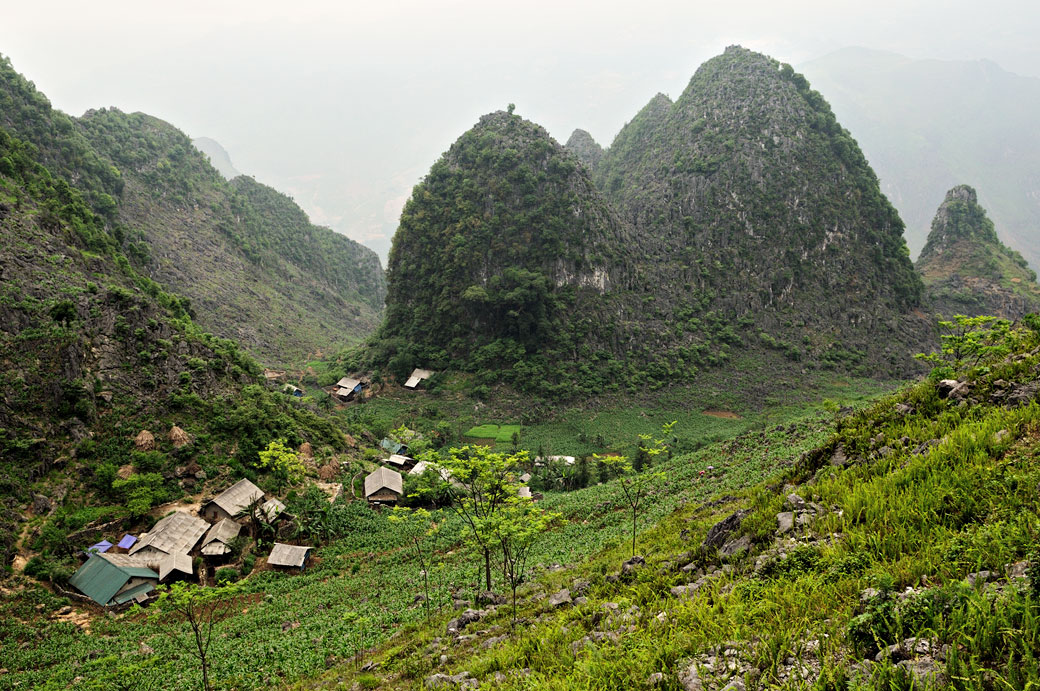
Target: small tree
[
  {"x": 200, "y": 609},
  {"x": 479, "y": 482},
  {"x": 968, "y": 341},
  {"x": 282, "y": 462},
  {"x": 419, "y": 526},
  {"x": 518, "y": 524},
  {"x": 355, "y": 634},
  {"x": 635, "y": 487}
]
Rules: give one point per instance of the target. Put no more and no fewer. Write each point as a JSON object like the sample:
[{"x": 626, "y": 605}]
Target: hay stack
[
  {"x": 144, "y": 441},
  {"x": 179, "y": 437},
  {"x": 306, "y": 451}
]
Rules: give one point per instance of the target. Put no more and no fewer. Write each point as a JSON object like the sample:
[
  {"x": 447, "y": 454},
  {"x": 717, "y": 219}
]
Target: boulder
[
  {"x": 632, "y": 564},
  {"x": 735, "y": 547},
  {"x": 720, "y": 532},
  {"x": 690, "y": 678},
  {"x": 785, "y": 522},
  {"x": 795, "y": 502},
  {"x": 560, "y": 598}
]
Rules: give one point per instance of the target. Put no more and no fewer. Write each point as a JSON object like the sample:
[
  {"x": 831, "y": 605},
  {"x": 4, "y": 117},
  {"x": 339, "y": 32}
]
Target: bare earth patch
[{"x": 724, "y": 414}]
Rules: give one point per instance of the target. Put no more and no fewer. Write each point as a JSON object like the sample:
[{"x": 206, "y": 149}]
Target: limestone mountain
[
  {"x": 740, "y": 217},
  {"x": 506, "y": 254},
  {"x": 252, "y": 265},
  {"x": 755, "y": 204},
  {"x": 968, "y": 270},
  {"x": 582, "y": 145},
  {"x": 218, "y": 156}
]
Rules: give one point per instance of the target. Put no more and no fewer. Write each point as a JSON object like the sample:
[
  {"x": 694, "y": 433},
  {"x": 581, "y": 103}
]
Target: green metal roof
[
  {"x": 100, "y": 579},
  {"x": 134, "y": 592}
]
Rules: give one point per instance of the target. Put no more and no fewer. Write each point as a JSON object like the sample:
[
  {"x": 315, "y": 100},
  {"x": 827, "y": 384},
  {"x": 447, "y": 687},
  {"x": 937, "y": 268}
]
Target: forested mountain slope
[
  {"x": 252, "y": 265},
  {"x": 92, "y": 351}
]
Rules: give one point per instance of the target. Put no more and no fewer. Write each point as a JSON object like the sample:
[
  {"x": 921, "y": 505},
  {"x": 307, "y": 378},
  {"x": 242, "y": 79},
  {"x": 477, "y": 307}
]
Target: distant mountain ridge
[
  {"x": 218, "y": 156},
  {"x": 253, "y": 266},
  {"x": 927, "y": 125}
]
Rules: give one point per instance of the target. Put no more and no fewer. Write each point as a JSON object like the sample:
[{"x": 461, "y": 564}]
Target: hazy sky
[{"x": 345, "y": 105}]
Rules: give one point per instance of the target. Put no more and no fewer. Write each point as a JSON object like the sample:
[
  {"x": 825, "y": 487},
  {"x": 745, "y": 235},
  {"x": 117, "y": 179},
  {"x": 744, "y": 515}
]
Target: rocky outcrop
[{"x": 968, "y": 270}]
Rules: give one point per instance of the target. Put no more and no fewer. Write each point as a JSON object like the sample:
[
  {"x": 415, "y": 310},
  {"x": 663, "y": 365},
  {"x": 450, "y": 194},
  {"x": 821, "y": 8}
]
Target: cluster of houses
[{"x": 129, "y": 571}]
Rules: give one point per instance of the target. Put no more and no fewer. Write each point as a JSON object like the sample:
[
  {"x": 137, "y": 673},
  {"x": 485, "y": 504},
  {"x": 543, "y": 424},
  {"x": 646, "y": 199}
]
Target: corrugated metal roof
[
  {"x": 238, "y": 496},
  {"x": 100, "y": 579},
  {"x": 417, "y": 376},
  {"x": 175, "y": 533},
  {"x": 224, "y": 530},
  {"x": 100, "y": 547},
  {"x": 524, "y": 491},
  {"x": 138, "y": 592},
  {"x": 399, "y": 459},
  {"x": 288, "y": 555},
  {"x": 348, "y": 383},
  {"x": 271, "y": 509},
  {"x": 381, "y": 478},
  {"x": 175, "y": 562},
  {"x": 215, "y": 549}
]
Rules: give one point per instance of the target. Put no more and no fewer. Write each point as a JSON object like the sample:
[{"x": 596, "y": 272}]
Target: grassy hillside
[{"x": 893, "y": 553}]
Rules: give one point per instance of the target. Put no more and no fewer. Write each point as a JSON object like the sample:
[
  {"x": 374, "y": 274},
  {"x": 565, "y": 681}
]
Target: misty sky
[{"x": 346, "y": 105}]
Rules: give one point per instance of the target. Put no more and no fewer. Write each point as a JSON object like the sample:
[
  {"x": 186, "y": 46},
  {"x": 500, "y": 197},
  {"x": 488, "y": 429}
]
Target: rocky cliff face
[
  {"x": 967, "y": 270},
  {"x": 252, "y": 265}
]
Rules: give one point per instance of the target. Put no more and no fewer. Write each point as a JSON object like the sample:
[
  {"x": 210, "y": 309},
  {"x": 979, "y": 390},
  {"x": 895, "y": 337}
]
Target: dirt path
[{"x": 724, "y": 414}]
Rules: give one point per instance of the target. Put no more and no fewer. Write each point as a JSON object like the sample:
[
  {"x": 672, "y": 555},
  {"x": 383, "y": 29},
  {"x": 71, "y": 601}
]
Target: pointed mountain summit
[
  {"x": 967, "y": 269},
  {"x": 756, "y": 204},
  {"x": 505, "y": 253},
  {"x": 582, "y": 145},
  {"x": 218, "y": 156}
]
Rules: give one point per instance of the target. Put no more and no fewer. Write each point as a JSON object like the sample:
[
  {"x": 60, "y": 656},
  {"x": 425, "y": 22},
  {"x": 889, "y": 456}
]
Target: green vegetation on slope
[
  {"x": 743, "y": 216},
  {"x": 967, "y": 269},
  {"x": 248, "y": 259},
  {"x": 902, "y": 566}
]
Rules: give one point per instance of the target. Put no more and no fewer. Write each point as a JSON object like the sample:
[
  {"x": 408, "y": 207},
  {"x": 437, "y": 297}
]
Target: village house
[
  {"x": 401, "y": 461},
  {"x": 218, "y": 539},
  {"x": 417, "y": 377},
  {"x": 231, "y": 502},
  {"x": 347, "y": 388},
  {"x": 176, "y": 533},
  {"x": 288, "y": 556},
  {"x": 384, "y": 486},
  {"x": 110, "y": 584}
]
